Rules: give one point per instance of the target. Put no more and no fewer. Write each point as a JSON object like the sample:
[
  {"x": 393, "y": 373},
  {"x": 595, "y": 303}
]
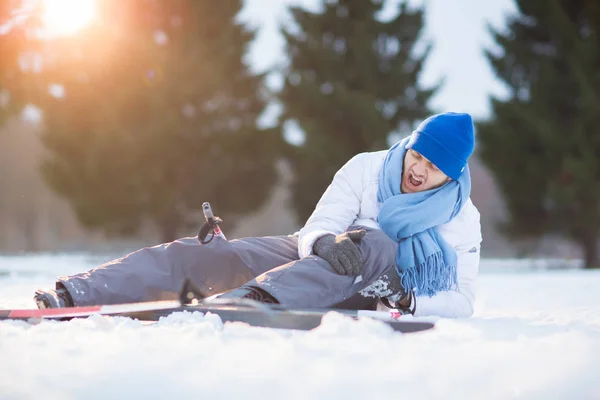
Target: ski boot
[
  {"x": 250, "y": 293},
  {"x": 58, "y": 298}
]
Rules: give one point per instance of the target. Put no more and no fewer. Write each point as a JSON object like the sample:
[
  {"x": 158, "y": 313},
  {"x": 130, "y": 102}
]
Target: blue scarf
[{"x": 424, "y": 260}]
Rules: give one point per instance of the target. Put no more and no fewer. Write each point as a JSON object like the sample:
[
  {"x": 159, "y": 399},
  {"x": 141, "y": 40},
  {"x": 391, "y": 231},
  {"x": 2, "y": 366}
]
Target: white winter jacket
[{"x": 351, "y": 199}]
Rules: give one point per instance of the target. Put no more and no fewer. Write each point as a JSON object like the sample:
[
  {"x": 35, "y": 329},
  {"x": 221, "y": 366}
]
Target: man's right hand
[{"x": 341, "y": 251}]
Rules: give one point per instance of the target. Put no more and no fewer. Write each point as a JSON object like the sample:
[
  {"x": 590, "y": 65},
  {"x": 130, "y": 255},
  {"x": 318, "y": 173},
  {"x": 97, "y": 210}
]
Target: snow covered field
[{"x": 535, "y": 335}]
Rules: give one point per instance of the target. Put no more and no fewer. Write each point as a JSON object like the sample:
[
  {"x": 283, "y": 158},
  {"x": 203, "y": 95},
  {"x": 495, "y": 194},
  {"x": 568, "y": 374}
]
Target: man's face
[{"x": 419, "y": 174}]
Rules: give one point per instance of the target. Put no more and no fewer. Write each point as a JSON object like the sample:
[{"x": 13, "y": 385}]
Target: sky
[{"x": 456, "y": 28}]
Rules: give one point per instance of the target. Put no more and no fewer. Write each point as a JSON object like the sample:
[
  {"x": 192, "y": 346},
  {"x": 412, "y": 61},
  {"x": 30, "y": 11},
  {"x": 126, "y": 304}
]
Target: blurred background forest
[{"x": 118, "y": 118}]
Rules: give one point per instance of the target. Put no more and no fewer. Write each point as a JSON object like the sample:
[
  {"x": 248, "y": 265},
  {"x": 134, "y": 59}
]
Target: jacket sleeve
[
  {"x": 337, "y": 209},
  {"x": 458, "y": 303}
]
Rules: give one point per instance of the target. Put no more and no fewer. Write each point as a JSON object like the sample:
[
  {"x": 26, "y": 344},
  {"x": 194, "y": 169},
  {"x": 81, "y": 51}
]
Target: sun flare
[{"x": 66, "y": 17}]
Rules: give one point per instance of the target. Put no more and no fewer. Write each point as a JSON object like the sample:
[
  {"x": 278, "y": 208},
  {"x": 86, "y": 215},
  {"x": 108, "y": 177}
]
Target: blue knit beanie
[{"x": 447, "y": 140}]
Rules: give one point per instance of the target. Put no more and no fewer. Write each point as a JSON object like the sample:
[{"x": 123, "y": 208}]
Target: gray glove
[{"x": 341, "y": 251}]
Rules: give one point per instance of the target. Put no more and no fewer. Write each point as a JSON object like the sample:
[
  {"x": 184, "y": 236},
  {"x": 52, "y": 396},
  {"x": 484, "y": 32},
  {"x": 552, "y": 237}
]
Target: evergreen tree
[
  {"x": 158, "y": 115},
  {"x": 352, "y": 80},
  {"x": 13, "y": 42},
  {"x": 542, "y": 143}
]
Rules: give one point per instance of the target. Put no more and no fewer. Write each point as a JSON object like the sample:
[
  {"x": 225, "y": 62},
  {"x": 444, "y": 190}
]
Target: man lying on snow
[{"x": 396, "y": 228}]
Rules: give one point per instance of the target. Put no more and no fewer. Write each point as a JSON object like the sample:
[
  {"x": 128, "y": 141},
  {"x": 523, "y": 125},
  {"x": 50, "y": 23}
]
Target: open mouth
[{"x": 415, "y": 181}]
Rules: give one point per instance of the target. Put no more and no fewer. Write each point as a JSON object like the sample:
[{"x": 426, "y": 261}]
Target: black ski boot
[
  {"x": 250, "y": 293},
  {"x": 58, "y": 298}
]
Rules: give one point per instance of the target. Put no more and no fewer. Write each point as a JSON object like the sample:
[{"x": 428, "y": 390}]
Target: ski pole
[
  {"x": 212, "y": 220},
  {"x": 211, "y": 224}
]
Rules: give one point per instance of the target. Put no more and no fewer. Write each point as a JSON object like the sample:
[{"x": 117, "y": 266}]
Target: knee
[{"x": 378, "y": 252}]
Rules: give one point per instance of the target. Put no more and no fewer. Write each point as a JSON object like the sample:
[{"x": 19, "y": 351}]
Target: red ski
[
  {"x": 78, "y": 312},
  {"x": 247, "y": 311}
]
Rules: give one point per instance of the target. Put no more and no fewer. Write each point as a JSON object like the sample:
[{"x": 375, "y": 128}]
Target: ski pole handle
[{"x": 211, "y": 220}]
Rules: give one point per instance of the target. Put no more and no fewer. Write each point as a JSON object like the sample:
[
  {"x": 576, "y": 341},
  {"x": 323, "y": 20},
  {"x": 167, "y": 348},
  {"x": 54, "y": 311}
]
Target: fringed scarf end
[{"x": 430, "y": 277}]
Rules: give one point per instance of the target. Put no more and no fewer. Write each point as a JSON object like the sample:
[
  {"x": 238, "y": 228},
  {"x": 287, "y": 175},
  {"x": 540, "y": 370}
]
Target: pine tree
[
  {"x": 158, "y": 115},
  {"x": 543, "y": 141},
  {"x": 13, "y": 42},
  {"x": 352, "y": 80}
]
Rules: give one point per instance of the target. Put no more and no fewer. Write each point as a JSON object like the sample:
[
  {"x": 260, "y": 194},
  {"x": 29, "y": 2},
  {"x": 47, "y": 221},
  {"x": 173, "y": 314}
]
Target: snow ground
[{"x": 535, "y": 335}]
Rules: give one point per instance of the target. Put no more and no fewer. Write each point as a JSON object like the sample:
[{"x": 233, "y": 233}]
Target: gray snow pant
[{"x": 271, "y": 263}]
